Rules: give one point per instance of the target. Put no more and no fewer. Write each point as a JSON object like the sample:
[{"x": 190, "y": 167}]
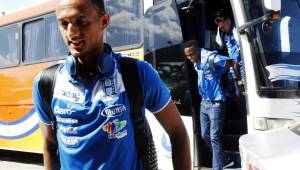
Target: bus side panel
[
  {"x": 19, "y": 129},
  {"x": 162, "y": 141}
]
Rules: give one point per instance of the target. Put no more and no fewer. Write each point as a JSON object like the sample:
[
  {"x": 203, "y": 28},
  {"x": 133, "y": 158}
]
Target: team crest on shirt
[
  {"x": 114, "y": 129},
  {"x": 113, "y": 111},
  {"x": 109, "y": 86}
]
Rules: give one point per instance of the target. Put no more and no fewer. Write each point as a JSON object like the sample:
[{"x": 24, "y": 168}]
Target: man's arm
[
  {"x": 171, "y": 121},
  {"x": 236, "y": 68},
  {"x": 51, "y": 159},
  {"x": 157, "y": 100}
]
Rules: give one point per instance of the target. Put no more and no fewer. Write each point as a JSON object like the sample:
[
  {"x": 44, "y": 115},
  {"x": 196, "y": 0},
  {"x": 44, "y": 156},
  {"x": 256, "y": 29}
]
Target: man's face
[
  {"x": 191, "y": 54},
  {"x": 82, "y": 26},
  {"x": 225, "y": 26}
]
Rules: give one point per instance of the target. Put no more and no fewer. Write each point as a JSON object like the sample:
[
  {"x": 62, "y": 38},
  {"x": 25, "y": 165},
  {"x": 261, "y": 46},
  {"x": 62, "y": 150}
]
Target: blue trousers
[{"x": 211, "y": 120}]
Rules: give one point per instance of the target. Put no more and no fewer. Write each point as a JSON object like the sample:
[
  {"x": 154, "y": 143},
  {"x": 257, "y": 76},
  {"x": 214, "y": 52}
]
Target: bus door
[
  {"x": 163, "y": 49},
  {"x": 197, "y": 23},
  {"x": 192, "y": 19}
]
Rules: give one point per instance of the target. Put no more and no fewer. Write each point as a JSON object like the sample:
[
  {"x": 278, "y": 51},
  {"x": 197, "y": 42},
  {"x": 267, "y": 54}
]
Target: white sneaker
[{"x": 228, "y": 164}]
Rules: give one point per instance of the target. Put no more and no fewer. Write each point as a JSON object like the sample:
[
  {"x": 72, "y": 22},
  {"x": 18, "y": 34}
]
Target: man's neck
[{"x": 88, "y": 65}]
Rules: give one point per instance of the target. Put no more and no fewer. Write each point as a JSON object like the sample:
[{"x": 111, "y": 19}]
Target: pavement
[{"x": 10, "y": 160}]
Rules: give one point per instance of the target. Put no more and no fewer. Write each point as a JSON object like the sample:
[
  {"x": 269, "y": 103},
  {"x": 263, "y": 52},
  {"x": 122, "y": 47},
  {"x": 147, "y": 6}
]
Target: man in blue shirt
[
  {"x": 94, "y": 129},
  {"x": 227, "y": 38},
  {"x": 210, "y": 67}
]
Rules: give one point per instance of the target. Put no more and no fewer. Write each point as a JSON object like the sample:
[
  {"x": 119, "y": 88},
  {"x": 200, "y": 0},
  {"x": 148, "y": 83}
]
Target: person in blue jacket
[
  {"x": 94, "y": 129},
  {"x": 210, "y": 67},
  {"x": 227, "y": 38}
]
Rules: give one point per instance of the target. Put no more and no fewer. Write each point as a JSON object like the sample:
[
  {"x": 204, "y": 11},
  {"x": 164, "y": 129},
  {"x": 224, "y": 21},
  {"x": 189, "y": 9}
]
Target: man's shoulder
[{"x": 41, "y": 74}]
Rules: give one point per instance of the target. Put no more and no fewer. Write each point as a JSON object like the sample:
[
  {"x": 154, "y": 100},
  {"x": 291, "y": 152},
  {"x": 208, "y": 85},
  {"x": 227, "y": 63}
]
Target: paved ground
[
  {"x": 27, "y": 161},
  {"x": 20, "y": 161},
  {"x": 203, "y": 168}
]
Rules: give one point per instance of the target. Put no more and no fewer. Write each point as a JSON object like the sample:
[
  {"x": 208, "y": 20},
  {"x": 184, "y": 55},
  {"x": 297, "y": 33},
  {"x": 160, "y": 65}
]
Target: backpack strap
[
  {"x": 132, "y": 85},
  {"x": 46, "y": 88},
  {"x": 143, "y": 137}
]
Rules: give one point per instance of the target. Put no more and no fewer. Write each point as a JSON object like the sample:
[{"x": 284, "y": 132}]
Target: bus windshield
[{"x": 276, "y": 51}]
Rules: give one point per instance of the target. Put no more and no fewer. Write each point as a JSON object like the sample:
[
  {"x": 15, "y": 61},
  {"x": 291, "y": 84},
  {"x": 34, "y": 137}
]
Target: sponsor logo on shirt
[
  {"x": 114, "y": 129},
  {"x": 68, "y": 130},
  {"x": 69, "y": 141},
  {"x": 66, "y": 120},
  {"x": 62, "y": 111},
  {"x": 113, "y": 111},
  {"x": 74, "y": 97}
]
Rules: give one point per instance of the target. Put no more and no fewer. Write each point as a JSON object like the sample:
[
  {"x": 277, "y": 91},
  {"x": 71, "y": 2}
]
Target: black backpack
[{"x": 143, "y": 136}]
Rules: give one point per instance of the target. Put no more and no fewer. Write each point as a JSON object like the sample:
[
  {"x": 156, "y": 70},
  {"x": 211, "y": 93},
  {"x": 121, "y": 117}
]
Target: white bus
[
  {"x": 154, "y": 30},
  {"x": 269, "y": 46}
]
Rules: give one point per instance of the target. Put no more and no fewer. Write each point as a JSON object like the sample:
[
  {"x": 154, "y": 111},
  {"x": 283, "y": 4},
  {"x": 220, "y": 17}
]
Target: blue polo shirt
[
  {"x": 233, "y": 47},
  {"x": 94, "y": 128},
  {"x": 210, "y": 69}
]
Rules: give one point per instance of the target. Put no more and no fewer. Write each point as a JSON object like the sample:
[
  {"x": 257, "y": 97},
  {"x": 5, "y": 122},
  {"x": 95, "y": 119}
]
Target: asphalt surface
[{"x": 10, "y": 160}]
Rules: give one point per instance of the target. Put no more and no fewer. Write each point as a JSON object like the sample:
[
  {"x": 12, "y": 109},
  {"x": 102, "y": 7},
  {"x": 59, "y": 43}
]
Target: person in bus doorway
[
  {"x": 227, "y": 38},
  {"x": 210, "y": 67},
  {"x": 93, "y": 125}
]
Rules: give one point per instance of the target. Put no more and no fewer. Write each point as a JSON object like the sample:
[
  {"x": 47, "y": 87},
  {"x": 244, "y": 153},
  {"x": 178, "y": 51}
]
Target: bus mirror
[
  {"x": 273, "y": 5},
  {"x": 273, "y": 13},
  {"x": 267, "y": 27}
]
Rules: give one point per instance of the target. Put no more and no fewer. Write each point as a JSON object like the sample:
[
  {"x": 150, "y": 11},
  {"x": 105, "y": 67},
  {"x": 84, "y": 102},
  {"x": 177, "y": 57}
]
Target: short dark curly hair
[
  {"x": 221, "y": 15},
  {"x": 191, "y": 43},
  {"x": 100, "y": 4}
]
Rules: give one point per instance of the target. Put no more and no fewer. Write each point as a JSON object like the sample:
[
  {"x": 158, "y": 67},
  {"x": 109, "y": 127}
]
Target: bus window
[
  {"x": 42, "y": 40},
  {"x": 163, "y": 31},
  {"x": 181, "y": 1},
  {"x": 9, "y": 51},
  {"x": 33, "y": 41},
  {"x": 55, "y": 46},
  {"x": 125, "y": 27},
  {"x": 277, "y": 51},
  {"x": 158, "y": 1}
]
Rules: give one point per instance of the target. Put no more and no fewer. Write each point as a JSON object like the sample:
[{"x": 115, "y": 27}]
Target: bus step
[
  {"x": 230, "y": 142},
  {"x": 235, "y": 127},
  {"x": 233, "y": 156}
]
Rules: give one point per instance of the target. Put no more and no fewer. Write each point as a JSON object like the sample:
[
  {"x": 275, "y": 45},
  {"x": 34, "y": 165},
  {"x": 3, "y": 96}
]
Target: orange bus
[{"x": 30, "y": 41}]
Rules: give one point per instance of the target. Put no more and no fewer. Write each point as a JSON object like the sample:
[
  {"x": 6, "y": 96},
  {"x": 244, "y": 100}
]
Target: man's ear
[{"x": 105, "y": 20}]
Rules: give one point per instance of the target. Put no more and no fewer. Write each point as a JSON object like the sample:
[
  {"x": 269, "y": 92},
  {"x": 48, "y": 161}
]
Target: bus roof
[{"x": 29, "y": 12}]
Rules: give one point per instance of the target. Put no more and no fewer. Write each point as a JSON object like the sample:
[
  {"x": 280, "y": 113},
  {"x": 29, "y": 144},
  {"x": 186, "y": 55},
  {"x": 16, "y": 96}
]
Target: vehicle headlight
[{"x": 261, "y": 123}]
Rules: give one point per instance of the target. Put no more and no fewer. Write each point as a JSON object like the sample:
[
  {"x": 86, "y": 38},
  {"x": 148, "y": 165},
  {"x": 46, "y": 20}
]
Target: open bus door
[
  {"x": 197, "y": 23},
  {"x": 167, "y": 25},
  {"x": 192, "y": 19},
  {"x": 164, "y": 25},
  {"x": 162, "y": 48}
]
